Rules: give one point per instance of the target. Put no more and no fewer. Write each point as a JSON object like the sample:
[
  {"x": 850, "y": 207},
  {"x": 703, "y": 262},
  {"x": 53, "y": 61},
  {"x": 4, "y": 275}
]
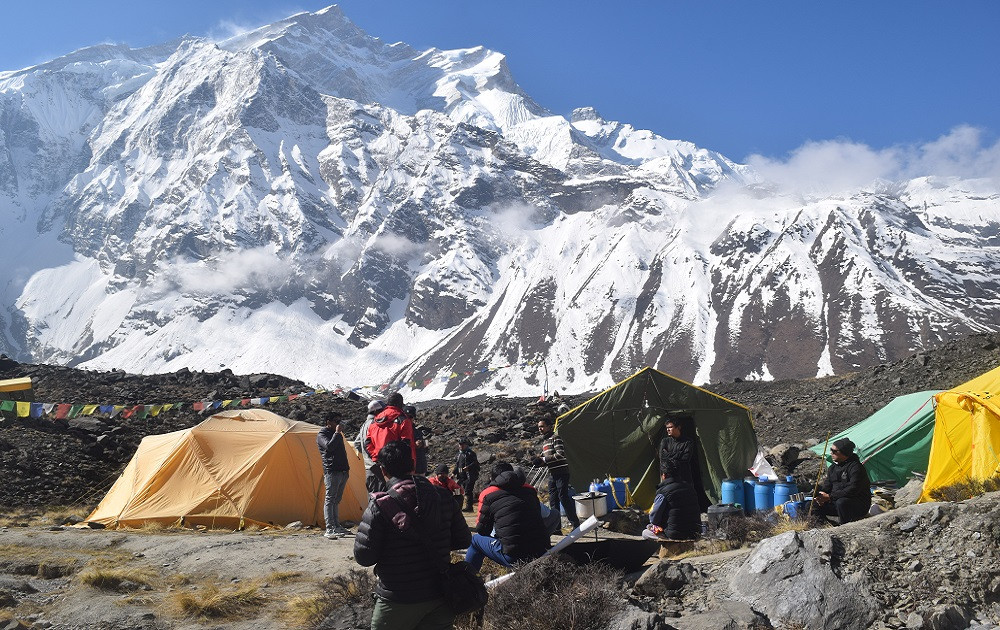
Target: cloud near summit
[{"x": 843, "y": 166}]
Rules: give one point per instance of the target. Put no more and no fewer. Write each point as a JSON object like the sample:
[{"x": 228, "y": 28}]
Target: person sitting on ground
[
  {"x": 846, "y": 492},
  {"x": 675, "y": 514},
  {"x": 441, "y": 479},
  {"x": 408, "y": 534},
  {"x": 550, "y": 518},
  {"x": 513, "y": 512}
]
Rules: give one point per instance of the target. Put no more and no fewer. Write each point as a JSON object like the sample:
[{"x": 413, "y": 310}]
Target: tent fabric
[
  {"x": 617, "y": 434},
  {"x": 966, "y": 443},
  {"x": 237, "y": 468},
  {"x": 894, "y": 441}
]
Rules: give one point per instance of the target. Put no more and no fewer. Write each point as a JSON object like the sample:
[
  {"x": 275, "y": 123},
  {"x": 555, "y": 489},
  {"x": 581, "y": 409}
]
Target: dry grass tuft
[
  {"x": 966, "y": 489},
  {"x": 349, "y": 594},
  {"x": 113, "y": 578},
  {"x": 281, "y": 577},
  {"x": 552, "y": 592},
  {"x": 48, "y": 516},
  {"x": 211, "y": 602}
]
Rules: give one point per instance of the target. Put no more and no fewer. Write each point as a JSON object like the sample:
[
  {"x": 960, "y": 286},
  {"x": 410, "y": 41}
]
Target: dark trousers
[
  {"x": 559, "y": 494},
  {"x": 374, "y": 480},
  {"x": 469, "y": 487},
  {"x": 847, "y": 509}
]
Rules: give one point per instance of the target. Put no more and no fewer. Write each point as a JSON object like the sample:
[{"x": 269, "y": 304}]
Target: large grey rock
[
  {"x": 664, "y": 577},
  {"x": 909, "y": 493},
  {"x": 632, "y": 618},
  {"x": 785, "y": 454},
  {"x": 791, "y": 579},
  {"x": 726, "y": 616}
]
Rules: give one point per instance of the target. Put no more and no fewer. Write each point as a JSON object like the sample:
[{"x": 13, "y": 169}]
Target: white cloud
[
  {"x": 397, "y": 246},
  {"x": 834, "y": 167},
  {"x": 261, "y": 268}
]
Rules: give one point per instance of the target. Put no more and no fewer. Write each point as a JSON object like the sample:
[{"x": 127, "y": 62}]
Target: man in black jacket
[
  {"x": 675, "y": 513},
  {"x": 846, "y": 492},
  {"x": 408, "y": 534},
  {"x": 467, "y": 471},
  {"x": 682, "y": 450},
  {"x": 336, "y": 471},
  {"x": 513, "y": 511}
]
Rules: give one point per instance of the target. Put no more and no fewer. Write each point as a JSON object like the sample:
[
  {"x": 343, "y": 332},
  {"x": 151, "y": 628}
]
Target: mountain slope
[{"x": 308, "y": 200}]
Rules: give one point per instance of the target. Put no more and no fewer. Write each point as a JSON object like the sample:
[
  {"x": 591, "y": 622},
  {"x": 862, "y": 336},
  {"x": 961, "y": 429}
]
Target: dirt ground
[{"x": 284, "y": 566}]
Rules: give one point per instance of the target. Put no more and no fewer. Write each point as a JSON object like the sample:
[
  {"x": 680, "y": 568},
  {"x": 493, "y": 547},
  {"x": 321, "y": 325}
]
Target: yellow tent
[
  {"x": 236, "y": 468},
  {"x": 966, "y": 444}
]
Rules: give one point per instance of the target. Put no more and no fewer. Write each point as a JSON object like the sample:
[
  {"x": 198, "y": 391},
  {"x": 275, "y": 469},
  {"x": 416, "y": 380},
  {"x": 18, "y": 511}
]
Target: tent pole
[{"x": 819, "y": 475}]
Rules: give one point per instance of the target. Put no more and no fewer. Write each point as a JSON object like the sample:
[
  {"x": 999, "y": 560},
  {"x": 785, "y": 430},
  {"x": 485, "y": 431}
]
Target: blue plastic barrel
[
  {"x": 749, "y": 488},
  {"x": 732, "y": 492},
  {"x": 763, "y": 495},
  {"x": 783, "y": 491}
]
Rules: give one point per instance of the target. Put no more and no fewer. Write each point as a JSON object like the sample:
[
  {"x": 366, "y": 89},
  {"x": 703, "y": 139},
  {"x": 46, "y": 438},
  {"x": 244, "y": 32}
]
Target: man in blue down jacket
[
  {"x": 409, "y": 544},
  {"x": 846, "y": 493},
  {"x": 514, "y": 512}
]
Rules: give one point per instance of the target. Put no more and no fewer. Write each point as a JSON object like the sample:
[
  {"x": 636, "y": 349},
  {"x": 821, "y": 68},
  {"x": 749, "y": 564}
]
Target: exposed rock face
[
  {"x": 794, "y": 578},
  {"x": 306, "y": 191}
]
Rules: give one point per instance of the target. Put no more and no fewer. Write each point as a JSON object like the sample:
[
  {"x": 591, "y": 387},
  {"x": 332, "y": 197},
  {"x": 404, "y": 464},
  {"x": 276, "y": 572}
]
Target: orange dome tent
[{"x": 237, "y": 468}]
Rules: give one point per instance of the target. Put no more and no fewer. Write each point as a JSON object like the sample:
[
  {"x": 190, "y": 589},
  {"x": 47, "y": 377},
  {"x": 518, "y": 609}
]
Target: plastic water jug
[
  {"x": 783, "y": 490},
  {"x": 749, "y": 494},
  {"x": 763, "y": 495},
  {"x": 732, "y": 492}
]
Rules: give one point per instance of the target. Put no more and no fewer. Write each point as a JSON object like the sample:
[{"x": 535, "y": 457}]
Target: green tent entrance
[
  {"x": 617, "y": 434},
  {"x": 895, "y": 440}
]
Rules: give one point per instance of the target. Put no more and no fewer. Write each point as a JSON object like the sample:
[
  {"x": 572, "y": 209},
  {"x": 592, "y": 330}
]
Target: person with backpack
[
  {"x": 407, "y": 533},
  {"x": 389, "y": 425},
  {"x": 336, "y": 471},
  {"x": 467, "y": 470}
]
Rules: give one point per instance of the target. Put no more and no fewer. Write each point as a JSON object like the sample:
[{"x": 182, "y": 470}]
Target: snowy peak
[{"x": 306, "y": 199}]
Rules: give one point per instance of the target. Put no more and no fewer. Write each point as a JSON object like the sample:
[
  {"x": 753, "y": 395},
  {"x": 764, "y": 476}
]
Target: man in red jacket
[{"x": 390, "y": 425}]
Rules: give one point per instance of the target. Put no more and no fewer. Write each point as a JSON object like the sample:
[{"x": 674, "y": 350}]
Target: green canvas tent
[
  {"x": 617, "y": 433},
  {"x": 895, "y": 440}
]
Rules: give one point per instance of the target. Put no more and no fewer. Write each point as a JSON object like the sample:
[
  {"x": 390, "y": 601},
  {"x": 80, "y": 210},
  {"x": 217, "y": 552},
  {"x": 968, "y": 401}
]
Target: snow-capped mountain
[{"x": 309, "y": 200}]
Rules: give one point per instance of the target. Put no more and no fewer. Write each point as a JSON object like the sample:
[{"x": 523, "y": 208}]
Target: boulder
[
  {"x": 663, "y": 578},
  {"x": 785, "y": 454},
  {"x": 791, "y": 578},
  {"x": 909, "y": 493},
  {"x": 726, "y": 616},
  {"x": 633, "y": 618}
]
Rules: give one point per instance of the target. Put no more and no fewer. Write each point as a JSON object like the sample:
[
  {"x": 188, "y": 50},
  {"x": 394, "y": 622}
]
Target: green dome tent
[
  {"x": 617, "y": 433},
  {"x": 895, "y": 440}
]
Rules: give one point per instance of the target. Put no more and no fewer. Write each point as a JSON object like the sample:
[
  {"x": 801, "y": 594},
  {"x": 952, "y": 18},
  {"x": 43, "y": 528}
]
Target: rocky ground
[
  {"x": 927, "y": 566},
  {"x": 58, "y": 463}
]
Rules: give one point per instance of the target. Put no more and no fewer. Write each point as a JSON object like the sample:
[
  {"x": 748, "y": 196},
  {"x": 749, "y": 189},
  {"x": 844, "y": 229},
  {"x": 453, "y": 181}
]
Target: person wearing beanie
[{"x": 846, "y": 492}]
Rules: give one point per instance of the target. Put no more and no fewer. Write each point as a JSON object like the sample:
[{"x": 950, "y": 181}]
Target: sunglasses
[{"x": 833, "y": 450}]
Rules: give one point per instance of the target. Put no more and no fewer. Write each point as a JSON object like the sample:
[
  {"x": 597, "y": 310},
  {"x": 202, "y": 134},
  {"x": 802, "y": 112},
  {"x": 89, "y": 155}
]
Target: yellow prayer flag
[
  {"x": 23, "y": 409},
  {"x": 274, "y": 399},
  {"x": 155, "y": 410},
  {"x": 167, "y": 407},
  {"x": 88, "y": 410},
  {"x": 226, "y": 403}
]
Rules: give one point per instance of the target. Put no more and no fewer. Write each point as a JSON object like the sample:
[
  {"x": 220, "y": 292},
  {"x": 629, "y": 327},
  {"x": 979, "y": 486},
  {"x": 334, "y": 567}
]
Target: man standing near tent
[
  {"x": 554, "y": 458},
  {"x": 846, "y": 492},
  {"x": 681, "y": 450},
  {"x": 336, "y": 471},
  {"x": 407, "y": 533}
]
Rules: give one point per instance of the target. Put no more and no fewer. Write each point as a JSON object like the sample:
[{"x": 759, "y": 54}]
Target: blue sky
[{"x": 741, "y": 78}]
